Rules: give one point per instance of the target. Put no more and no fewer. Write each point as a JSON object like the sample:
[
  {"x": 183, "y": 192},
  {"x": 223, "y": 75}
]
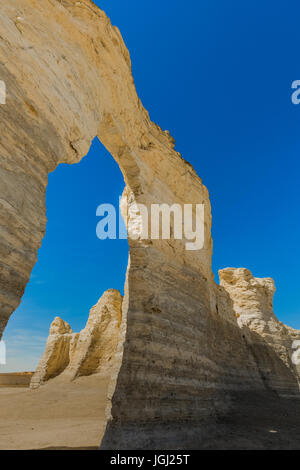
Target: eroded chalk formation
[
  {"x": 181, "y": 353},
  {"x": 252, "y": 300},
  {"x": 70, "y": 355},
  {"x": 56, "y": 356}
]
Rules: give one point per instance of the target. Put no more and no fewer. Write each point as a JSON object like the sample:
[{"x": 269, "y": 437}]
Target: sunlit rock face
[
  {"x": 56, "y": 357},
  {"x": 181, "y": 352},
  {"x": 252, "y": 297},
  {"x": 70, "y": 355},
  {"x": 252, "y": 300}
]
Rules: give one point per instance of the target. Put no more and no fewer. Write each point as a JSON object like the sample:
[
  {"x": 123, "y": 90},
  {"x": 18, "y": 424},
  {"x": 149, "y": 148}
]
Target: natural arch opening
[{"x": 75, "y": 271}]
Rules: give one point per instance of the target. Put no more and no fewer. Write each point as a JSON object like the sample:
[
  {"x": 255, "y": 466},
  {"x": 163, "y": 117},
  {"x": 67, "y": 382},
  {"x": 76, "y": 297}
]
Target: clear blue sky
[{"x": 217, "y": 75}]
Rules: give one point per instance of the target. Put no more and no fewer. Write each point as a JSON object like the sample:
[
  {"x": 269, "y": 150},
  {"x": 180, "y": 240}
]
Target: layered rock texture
[
  {"x": 252, "y": 301},
  {"x": 182, "y": 352},
  {"x": 70, "y": 355}
]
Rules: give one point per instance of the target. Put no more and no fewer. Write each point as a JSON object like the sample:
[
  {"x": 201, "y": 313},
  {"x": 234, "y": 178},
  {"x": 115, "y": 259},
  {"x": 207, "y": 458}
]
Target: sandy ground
[
  {"x": 72, "y": 416},
  {"x": 54, "y": 416}
]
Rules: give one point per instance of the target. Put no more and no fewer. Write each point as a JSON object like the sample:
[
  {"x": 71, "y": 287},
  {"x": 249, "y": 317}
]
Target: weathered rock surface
[
  {"x": 70, "y": 355},
  {"x": 253, "y": 305},
  {"x": 181, "y": 353},
  {"x": 56, "y": 356}
]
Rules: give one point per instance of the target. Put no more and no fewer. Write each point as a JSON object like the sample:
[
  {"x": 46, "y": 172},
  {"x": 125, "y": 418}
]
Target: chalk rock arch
[{"x": 68, "y": 78}]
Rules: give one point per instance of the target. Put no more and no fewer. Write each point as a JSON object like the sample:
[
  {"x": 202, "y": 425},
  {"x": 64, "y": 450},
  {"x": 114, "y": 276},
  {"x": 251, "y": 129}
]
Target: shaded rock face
[
  {"x": 69, "y": 355},
  {"x": 181, "y": 351}
]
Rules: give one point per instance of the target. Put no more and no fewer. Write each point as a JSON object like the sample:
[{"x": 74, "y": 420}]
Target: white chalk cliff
[
  {"x": 182, "y": 353},
  {"x": 70, "y": 355}
]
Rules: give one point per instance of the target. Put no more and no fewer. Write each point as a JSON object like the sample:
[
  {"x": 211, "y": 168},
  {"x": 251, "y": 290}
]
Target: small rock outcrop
[
  {"x": 252, "y": 301},
  {"x": 57, "y": 353},
  {"x": 70, "y": 355},
  {"x": 252, "y": 297}
]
